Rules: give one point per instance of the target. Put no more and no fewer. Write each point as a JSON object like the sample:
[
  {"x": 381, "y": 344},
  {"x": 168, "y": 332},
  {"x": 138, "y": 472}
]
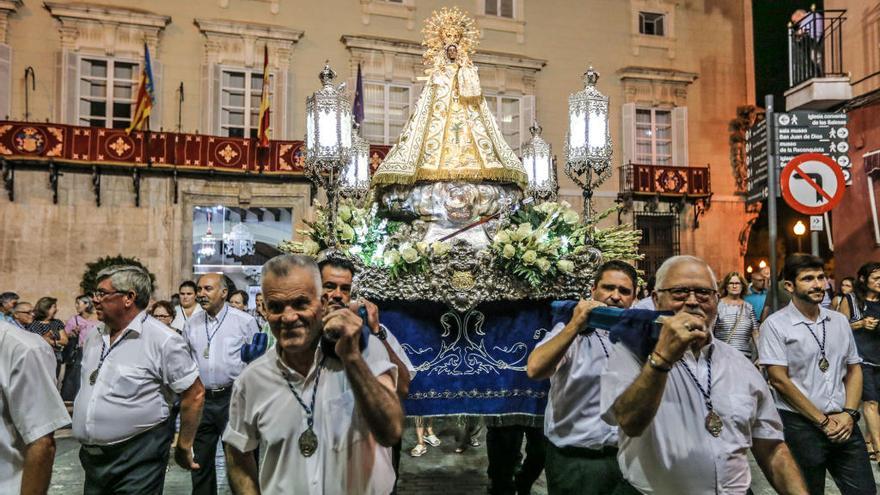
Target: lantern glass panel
[
  {"x": 577, "y": 129},
  {"x": 310, "y": 130},
  {"x": 598, "y": 129},
  {"x": 542, "y": 169},
  {"x": 327, "y": 126}
]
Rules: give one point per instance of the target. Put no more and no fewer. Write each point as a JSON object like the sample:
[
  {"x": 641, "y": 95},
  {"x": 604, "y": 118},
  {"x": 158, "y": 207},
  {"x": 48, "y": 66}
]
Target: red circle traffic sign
[{"x": 823, "y": 179}]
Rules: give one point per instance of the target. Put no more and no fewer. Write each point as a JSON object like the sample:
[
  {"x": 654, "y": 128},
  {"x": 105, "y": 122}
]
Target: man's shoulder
[
  {"x": 258, "y": 369},
  {"x": 18, "y": 339},
  {"x": 240, "y": 315}
]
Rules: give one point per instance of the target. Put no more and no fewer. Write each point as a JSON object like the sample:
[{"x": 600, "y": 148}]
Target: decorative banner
[{"x": 693, "y": 182}]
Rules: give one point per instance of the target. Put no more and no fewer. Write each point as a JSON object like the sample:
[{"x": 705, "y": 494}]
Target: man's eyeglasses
[
  {"x": 683, "y": 293},
  {"x": 24, "y": 312},
  {"x": 99, "y": 294}
]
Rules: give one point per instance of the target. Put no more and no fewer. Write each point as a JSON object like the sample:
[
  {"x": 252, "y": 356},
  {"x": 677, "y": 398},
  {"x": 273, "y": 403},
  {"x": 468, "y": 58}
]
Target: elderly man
[
  {"x": 23, "y": 315},
  {"x": 131, "y": 368},
  {"x": 215, "y": 337},
  {"x": 757, "y": 293},
  {"x": 581, "y": 448},
  {"x": 30, "y": 412},
  {"x": 323, "y": 422},
  {"x": 690, "y": 410},
  {"x": 811, "y": 359}
]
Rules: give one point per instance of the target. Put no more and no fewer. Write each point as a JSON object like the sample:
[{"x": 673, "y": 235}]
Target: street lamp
[
  {"x": 354, "y": 181},
  {"x": 328, "y": 140},
  {"x": 799, "y": 230},
  {"x": 588, "y": 140},
  {"x": 539, "y": 163}
]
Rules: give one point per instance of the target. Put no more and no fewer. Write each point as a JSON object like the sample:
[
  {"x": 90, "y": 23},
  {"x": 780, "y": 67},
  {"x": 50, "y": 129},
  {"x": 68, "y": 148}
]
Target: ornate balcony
[
  {"x": 641, "y": 181},
  {"x": 816, "y": 76}
]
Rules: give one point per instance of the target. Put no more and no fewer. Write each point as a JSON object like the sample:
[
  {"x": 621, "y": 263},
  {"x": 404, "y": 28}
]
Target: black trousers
[
  {"x": 503, "y": 446},
  {"x": 215, "y": 415},
  {"x": 814, "y": 453},
  {"x": 133, "y": 467}
]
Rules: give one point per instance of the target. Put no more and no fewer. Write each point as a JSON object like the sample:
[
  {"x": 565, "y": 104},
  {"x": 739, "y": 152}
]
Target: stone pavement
[{"x": 440, "y": 471}]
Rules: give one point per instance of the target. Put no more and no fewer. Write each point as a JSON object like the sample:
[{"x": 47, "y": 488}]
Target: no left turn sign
[{"x": 812, "y": 183}]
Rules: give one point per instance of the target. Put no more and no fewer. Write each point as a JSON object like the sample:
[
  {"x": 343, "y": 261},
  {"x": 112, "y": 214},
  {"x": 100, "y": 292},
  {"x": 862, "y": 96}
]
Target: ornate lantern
[
  {"x": 588, "y": 141},
  {"x": 239, "y": 242},
  {"x": 207, "y": 248},
  {"x": 354, "y": 181},
  {"x": 539, "y": 163}
]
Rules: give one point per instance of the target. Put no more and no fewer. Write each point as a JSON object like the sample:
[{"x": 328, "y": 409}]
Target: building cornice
[
  {"x": 655, "y": 74},
  {"x": 224, "y": 27},
  {"x": 93, "y": 12}
]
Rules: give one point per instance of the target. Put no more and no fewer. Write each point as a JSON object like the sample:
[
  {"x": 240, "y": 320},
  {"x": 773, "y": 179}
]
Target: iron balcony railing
[
  {"x": 668, "y": 181},
  {"x": 815, "y": 45}
]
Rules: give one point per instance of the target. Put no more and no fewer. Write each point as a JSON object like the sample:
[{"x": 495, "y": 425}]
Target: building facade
[{"x": 675, "y": 73}]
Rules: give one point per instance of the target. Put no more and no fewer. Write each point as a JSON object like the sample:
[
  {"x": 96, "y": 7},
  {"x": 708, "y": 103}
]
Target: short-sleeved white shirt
[
  {"x": 180, "y": 317},
  {"x": 264, "y": 412},
  {"x": 136, "y": 384},
  {"x": 676, "y": 454},
  {"x": 785, "y": 340},
  {"x": 228, "y": 331},
  {"x": 30, "y": 406},
  {"x": 572, "y": 417}
]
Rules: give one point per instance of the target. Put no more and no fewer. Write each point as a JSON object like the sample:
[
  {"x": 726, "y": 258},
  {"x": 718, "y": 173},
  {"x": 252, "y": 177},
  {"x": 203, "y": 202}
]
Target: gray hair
[
  {"x": 667, "y": 265},
  {"x": 281, "y": 265},
  {"x": 129, "y": 278},
  {"x": 87, "y": 300},
  {"x": 220, "y": 276}
]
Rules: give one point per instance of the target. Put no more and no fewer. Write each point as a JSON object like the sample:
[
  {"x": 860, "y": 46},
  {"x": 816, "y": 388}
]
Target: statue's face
[{"x": 452, "y": 52}]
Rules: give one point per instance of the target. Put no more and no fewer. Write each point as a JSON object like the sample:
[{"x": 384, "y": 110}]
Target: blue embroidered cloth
[{"x": 471, "y": 363}]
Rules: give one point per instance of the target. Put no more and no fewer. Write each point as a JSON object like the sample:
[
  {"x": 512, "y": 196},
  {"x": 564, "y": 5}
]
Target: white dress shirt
[
  {"x": 572, "y": 418},
  {"x": 264, "y": 412},
  {"x": 136, "y": 384},
  {"x": 180, "y": 317},
  {"x": 676, "y": 454},
  {"x": 645, "y": 303},
  {"x": 228, "y": 331},
  {"x": 30, "y": 406},
  {"x": 785, "y": 340}
]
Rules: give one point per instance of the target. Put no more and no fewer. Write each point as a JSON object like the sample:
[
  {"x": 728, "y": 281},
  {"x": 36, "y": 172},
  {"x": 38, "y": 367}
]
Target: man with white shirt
[
  {"x": 215, "y": 337},
  {"x": 814, "y": 369},
  {"x": 188, "y": 307},
  {"x": 689, "y": 411},
  {"x": 581, "y": 448},
  {"x": 323, "y": 423},
  {"x": 132, "y": 367},
  {"x": 30, "y": 412}
]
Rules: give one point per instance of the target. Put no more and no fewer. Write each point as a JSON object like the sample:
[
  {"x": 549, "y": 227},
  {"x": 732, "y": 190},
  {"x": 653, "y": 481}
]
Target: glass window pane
[
  {"x": 122, "y": 70},
  {"x": 643, "y": 116},
  {"x": 233, "y": 79},
  {"x": 506, "y": 8},
  {"x": 235, "y": 132},
  {"x": 234, "y": 118},
  {"x": 95, "y": 68},
  {"x": 97, "y": 122},
  {"x": 122, "y": 110},
  {"x": 491, "y": 7},
  {"x": 97, "y": 108},
  {"x": 374, "y": 132},
  {"x": 663, "y": 117},
  {"x": 121, "y": 124},
  {"x": 233, "y": 99},
  {"x": 123, "y": 91}
]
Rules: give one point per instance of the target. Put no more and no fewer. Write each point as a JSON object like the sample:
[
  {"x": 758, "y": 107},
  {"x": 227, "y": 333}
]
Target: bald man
[{"x": 215, "y": 338}]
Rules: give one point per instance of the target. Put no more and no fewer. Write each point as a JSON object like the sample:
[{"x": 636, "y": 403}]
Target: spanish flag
[
  {"x": 263, "y": 134},
  {"x": 145, "y": 96}
]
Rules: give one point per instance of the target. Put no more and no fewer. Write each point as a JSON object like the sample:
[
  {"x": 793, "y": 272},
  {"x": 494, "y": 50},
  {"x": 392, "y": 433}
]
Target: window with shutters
[
  {"x": 241, "y": 92},
  {"x": 653, "y": 136},
  {"x": 107, "y": 92},
  {"x": 508, "y": 113},
  {"x": 500, "y": 8},
  {"x": 386, "y": 109},
  {"x": 651, "y": 23}
]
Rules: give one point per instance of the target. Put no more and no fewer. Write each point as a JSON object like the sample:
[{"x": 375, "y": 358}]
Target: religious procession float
[{"x": 460, "y": 242}]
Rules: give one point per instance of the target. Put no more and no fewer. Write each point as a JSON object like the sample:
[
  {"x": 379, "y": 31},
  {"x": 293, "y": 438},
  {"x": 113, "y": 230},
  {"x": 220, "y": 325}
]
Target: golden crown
[{"x": 449, "y": 27}]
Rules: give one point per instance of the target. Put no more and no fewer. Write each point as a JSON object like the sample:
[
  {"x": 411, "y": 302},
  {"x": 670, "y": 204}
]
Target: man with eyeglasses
[
  {"x": 23, "y": 315},
  {"x": 814, "y": 368},
  {"x": 690, "y": 410},
  {"x": 131, "y": 367},
  {"x": 581, "y": 448}
]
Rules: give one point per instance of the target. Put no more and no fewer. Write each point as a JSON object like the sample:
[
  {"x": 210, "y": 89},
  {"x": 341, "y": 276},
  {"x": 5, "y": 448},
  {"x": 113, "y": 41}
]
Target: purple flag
[{"x": 358, "y": 109}]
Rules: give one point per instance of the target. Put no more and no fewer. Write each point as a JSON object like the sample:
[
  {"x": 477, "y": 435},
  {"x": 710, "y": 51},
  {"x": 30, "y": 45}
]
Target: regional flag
[
  {"x": 358, "y": 109},
  {"x": 263, "y": 134},
  {"x": 145, "y": 97}
]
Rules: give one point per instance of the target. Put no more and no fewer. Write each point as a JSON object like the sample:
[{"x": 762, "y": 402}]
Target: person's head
[
  {"x": 336, "y": 278},
  {"x": 687, "y": 283},
  {"x": 45, "y": 308},
  {"x": 733, "y": 285},
  {"x": 258, "y": 302},
  {"x": 84, "y": 305},
  {"x": 452, "y": 52},
  {"x": 23, "y": 312},
  {"x": 239, "y": 300},
  {"x": 211, "y": 293},
  {"x": 847, "y": 285},
  {"x": 867, "y": 280},
  {"x": 187, "y": 293},
  {"x": 615, "y": 284},
  {"x": 123, "y": 292},
  {"x": 797, "y": 15},
  {"x": 804, "y": 278},
  {"x": 164, "y": 312},
  {"x": 8, "y": 300},
  {"x": 759, "y": 281},
  {"x": 292, "y": 300}
]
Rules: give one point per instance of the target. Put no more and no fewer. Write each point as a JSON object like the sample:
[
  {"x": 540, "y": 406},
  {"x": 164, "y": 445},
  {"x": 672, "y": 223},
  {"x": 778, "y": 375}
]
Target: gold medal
[
  {"x": 308, "y": 443},
  {"x": 93, "y": 377},
  {"x": 823, "y": 364},
  {"x": 207, "y": 352},
  {"x": 714, "y": 425}
]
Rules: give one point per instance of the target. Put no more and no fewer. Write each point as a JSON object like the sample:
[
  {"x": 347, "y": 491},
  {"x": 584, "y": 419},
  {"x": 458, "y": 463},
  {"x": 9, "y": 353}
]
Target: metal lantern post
[
  {"x": 328, "y": 140},
  {"x": 354, "y": 181},
  {"x": 588, "y": 141},
  {"x": 540, "y": 166}
]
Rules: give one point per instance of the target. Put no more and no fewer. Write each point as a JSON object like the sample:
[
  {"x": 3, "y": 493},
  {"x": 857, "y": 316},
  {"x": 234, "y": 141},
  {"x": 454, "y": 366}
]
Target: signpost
[
  {"x": 812, "y": 184},
  {"x": 813, "y": 132},
  {"x": 756, "y": 159}
]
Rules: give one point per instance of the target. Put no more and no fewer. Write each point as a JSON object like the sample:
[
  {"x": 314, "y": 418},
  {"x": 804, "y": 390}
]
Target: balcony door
[{"x": 660, "y": 239}]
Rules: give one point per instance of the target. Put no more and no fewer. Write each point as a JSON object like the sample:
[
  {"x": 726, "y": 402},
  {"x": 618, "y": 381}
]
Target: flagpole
[{"x": 147, "y": 142}]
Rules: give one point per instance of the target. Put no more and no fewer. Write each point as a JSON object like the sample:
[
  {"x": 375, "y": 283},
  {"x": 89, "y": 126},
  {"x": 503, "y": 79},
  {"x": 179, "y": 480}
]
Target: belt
[
  {"x": 606, "y": 451},
  {"x": 115, "y": 448},
  {"x": 215, "y": 393}
]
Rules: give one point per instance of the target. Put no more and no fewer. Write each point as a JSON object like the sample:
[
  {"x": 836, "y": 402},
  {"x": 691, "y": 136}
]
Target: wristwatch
[
  {"x": 856, "y": 415},
  {"x": 382, "y": 334}
]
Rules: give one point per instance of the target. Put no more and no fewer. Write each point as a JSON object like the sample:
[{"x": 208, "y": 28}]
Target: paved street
[{"x": 440, "y": 471}]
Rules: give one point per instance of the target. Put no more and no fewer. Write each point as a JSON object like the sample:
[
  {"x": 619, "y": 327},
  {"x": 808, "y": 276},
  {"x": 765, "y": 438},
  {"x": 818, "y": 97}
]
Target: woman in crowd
[
  {"x": 239, "y": 300},
  {"x": 52, "y": 330},
  {"x": 846, "y": 287},
  {"x": 736, "y": 323},
  {"x": 164, "y": 312},
  {"x": 77, "y": 328}
]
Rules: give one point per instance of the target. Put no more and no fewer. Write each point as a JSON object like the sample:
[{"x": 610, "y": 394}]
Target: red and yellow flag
[
  {"x": 145, "y": 97},
  {"x": 263, "y": 134}
]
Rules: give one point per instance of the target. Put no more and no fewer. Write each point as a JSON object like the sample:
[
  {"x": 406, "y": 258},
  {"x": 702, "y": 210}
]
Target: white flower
[
  {"x": 391, "y": 257},
  {"x": 409, "y": 254},
  {"x": 344, "y": 213},
  {"x": 440, "y": 248},
  {"x": 565, "y": 266},
  {"x": 571, "y": 217},
  {"x": 525, "y": 229},
  {"x": 543, "y": 264},
  {"x": 422, "y": 247},
  {"x": 502, "y": 237},
  {"x": 565, "y": 204},
  {"x": 355, "y": 249},
  {"x": 509, "y": 251},
  {"x": 347, "y": 233},
  {"x": 529, "y": 257},
  {"x": 310, "y": 247}
]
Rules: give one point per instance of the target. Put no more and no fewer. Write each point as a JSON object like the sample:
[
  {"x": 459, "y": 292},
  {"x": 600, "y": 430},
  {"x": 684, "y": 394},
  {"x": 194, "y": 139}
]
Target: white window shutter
[
  {"x": 5, "y": 80},
  {"x": 158, "y": 102},
  {"x": 215, "y": 98},
  {"x": 680, "y": 136},
  {"x": 526, "y": 117},
  {"x": 66, "y": 87},
  {"x": 629, "y": 133}
]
